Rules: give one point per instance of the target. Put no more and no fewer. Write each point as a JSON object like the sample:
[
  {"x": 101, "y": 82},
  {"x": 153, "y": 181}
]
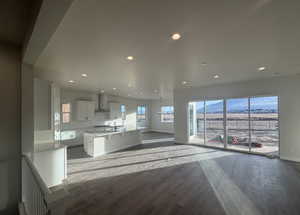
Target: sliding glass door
[
  {"x": 237, "y": 124},
  {"x": 192, "y": 117},
  {"x": 264, "y": 124},
  {"x": 206, "y": 123},
  {"x": 197, "y": 122},
  {"x": 249, "y": 124},
  {"x": 214, "y": 123},
  {"x": 200, "y": 122}
]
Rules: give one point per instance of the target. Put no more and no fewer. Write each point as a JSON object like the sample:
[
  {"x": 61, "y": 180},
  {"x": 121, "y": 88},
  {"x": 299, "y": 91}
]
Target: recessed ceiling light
[
  {"x": 84, "y": 75},
  {"x": 262, "y": 69},
  {"x": 216, "y": 76},
  {"x": 184, "y": 82},
  {"x": 71, "y": 81},
  {"x": 114, "y": 88},
  {"x": 102, "y": 91},
  {"x": 130, "y": 58},
  {"x": 176, "y": 36}
]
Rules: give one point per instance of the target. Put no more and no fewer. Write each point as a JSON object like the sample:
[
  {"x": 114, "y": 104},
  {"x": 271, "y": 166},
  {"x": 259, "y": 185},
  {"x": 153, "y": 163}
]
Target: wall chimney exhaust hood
[{"x": 103, "y": 103}]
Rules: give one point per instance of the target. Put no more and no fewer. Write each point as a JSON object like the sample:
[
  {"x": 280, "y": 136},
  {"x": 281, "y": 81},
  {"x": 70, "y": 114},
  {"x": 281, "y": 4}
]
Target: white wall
[
  {"x": 72, "y": 132},
  {"x": 43, "y": 111},
  {"x": 51, "y": 165},
  {"x": 42, "y": 105},
  {"x": 287, "y": 88},
  {"x": 55, "y": 112},
  {"x": 27, "y": 110},
  {"x": 131, "y": 110},
  {"x": 156, "y": 124},
  {"x": 71, "y": 96},
  {"x": 10, "y": 128}
]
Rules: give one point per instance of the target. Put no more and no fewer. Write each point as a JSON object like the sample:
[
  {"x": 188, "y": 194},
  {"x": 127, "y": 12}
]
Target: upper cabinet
[
  {"x": 85, "y": 110},
  {"x": 115, "y": 112}
]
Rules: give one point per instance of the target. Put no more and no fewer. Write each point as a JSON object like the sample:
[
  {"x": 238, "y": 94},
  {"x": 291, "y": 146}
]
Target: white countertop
[
  {"x": 103, "y": 134},
  {"x": 40, "y": 147}
]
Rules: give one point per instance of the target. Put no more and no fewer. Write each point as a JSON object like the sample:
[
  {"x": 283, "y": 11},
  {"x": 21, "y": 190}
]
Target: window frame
[
  {"x": 123, "y": 113},
  {"x": 66, "y": 112},
  {"x": 162, "y": 114},
  {"x": 249, "y": 112},
  {"x": 145, "y": 113}
]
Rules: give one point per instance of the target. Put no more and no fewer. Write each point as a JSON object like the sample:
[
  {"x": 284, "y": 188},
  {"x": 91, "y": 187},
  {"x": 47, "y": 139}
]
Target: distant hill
[{"x": 258, "y": 104}]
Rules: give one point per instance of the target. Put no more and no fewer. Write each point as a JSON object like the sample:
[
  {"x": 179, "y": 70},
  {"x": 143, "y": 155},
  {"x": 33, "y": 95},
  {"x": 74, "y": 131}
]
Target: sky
[{"x": 265, "y": 103}]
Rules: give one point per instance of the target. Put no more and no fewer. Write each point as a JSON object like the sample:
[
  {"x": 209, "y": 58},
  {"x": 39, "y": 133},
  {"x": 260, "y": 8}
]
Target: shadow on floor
[{"x": 76, "y": 152}]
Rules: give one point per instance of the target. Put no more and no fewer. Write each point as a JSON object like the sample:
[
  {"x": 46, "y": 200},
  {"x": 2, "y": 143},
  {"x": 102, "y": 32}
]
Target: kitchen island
[{"x": 100, "y": 143}]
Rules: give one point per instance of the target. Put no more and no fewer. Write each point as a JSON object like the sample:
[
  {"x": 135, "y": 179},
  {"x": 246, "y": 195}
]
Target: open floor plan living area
[
  {"x": 150, "y": 107},
  {"x": 168, "y": 178}
]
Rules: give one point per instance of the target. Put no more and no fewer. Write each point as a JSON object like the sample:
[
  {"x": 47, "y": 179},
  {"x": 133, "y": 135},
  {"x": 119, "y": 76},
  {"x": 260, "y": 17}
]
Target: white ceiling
[{"x": 233, "y": 38}]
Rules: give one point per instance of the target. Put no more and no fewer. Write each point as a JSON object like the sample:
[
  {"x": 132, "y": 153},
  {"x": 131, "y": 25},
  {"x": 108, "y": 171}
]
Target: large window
[
  {"x": 264, "y": 127},
  {"x": 249, "y": 124},
  {"x": 214, "y": 123},
  {"x": 66, "y": 112},
  {"x": 238, "y": 123},
  {"x": 167, "y": 114},
  {"x": 141, "y": 113}
]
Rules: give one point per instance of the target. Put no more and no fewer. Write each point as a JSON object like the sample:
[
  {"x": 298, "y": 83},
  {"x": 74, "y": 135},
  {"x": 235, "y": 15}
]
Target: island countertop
[
  {"x": 103, "y": 134},
  {"x": 99, "y": 143}
]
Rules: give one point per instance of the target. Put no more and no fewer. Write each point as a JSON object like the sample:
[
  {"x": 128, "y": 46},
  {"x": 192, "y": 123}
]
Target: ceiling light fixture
[
  {"x": 216, "y": 76},
  {"x": 114, "y": 88},
  {"x": 102, "y": 91},
  {"x": 130, "y": 58},
  {"x": 84, "y": 75},
  {"x": 71, "y": 81},
  {"x": 176, "y": 36},
  {"x": 184, "y": 82},
  {"x": 262, "y": 69}
]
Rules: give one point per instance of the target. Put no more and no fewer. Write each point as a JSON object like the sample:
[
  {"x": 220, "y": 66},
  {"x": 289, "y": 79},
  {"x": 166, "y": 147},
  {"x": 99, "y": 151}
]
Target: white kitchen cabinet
[
  {"x": 96, "y": 144},
  {"x": 85, "y": 110},
  {"x": 115, "y": 111},
  {"x": 91, "y": 110}
]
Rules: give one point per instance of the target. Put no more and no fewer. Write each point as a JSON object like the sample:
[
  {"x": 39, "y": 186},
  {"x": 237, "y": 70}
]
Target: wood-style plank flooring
[{"x": 163, "y": 178}]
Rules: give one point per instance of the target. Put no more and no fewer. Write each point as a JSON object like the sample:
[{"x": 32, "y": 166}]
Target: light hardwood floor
[{"x": 163, "y": 178}]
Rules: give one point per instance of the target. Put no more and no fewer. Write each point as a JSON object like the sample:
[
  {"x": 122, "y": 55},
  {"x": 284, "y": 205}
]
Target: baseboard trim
[
  {"x": 171, "y": 139},
  {"x": 161, "y": 131},
  {"x": 22, "y": 210},
  {"x": 225, "y": 149},
  {"x": 290, "y": 159}
]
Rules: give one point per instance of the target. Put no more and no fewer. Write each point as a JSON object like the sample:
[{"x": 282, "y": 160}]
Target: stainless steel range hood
[{"x": 103, "y": 103}]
